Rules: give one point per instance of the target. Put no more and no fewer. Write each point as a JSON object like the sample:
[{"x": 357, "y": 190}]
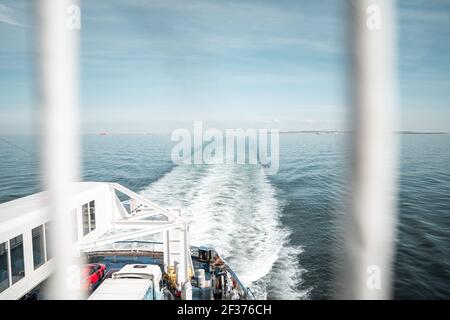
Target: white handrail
[
  {"x": 128, "y": 235},
  {"x": 145, "y": 201}
]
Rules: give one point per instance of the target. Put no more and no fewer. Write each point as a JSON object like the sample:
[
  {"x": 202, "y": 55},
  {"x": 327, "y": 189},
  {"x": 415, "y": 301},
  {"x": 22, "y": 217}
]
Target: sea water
[{"x": 280, "y": 233}]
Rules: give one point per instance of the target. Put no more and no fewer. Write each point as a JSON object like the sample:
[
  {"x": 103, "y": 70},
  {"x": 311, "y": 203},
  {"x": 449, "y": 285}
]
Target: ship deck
[{"x": 114, "y": 261}]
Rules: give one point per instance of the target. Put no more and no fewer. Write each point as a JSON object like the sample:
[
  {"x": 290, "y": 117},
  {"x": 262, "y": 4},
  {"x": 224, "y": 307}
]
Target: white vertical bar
[
  {"x": 182, "y": 276},
  {"x": 371, "y": 219},
  {"x": 8, "y": 256},
  {"x": 44, "y": 234},
  {"x": 57, "y": 46},
  {"x": 166, "y": 250}
]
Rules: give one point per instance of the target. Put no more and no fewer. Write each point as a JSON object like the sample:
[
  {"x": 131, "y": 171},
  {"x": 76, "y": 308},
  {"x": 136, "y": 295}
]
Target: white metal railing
[
  {"x": 370, "y": 228},
  {"x": 57, "y": 63},
  {"x": 371, "y": 216},
  {"x": 168, "y": 213}
]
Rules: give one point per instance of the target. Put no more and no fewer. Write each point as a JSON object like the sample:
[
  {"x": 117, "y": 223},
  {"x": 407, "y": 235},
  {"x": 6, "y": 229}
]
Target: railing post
[
  {"x": 372, "y": 213},
  {"x": 57, "y": 63}
]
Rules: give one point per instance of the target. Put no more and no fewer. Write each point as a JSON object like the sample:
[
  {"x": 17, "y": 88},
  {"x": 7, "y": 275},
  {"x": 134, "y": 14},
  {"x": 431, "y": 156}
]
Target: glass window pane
[
  {"x": 149, "y": 293},
  {"x": 38, "y": 246},
  {"x": 17, "y": 262},
  {"x": 92, "y": 214},
  {"x": 85, "y": 216},
  {"x": 4, "y": 278},
  {"x": 48, "y": 238}
]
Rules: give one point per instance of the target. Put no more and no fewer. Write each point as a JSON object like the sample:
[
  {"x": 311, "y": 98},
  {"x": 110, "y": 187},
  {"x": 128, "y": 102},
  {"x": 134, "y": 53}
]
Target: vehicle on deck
[
  {"x": 132, "y": 282},
  {"x": 135, "y": 249},
  {"x": 92, "y": 275}
]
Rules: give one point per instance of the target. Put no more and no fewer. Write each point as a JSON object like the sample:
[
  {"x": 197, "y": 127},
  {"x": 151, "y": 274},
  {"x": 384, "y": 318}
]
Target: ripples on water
[
  {"x": 423, "y": 251},
  {"x": 278, "y": 232},
  {"x": 19, "y": 167}
]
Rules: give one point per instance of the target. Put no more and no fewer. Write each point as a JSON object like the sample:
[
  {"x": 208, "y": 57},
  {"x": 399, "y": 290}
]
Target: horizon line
[{"x": 280, "y": 131}]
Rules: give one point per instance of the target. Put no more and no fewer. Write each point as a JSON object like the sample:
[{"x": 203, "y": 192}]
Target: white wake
[{"x": 234, "y": 208}]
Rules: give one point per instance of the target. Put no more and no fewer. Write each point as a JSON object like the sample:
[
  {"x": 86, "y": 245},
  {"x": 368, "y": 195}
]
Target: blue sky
[{"x": 152, "y": 66}]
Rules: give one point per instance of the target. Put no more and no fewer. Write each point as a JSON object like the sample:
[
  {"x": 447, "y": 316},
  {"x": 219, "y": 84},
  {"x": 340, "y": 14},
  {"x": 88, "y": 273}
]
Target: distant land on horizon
[
  {"x": 284, "y": 132},
  {"x": 347, "y": 131}
]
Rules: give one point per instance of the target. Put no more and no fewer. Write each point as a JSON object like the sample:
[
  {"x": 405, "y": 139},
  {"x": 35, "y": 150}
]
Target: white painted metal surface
[
  {"x": 20, "y": 216},
  {"x": 122, "y": 289},
  {"x": 144, "y": 271}
]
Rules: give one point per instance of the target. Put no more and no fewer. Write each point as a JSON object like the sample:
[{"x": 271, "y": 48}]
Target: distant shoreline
[
  {"x": 338, "y": 131},
  {"x": 281, "y": 132}
]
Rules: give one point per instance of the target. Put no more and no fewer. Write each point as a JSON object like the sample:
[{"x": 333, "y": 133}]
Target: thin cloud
[
  {"x": 7, "y": 16},
  {"x": 218, "y": 27}
]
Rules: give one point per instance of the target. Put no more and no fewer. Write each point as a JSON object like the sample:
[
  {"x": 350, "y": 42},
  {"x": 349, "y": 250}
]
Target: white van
[{"x": 132, "y": 282}]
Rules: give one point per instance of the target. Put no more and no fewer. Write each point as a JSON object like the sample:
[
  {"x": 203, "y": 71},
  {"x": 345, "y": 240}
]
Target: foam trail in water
[{"x": 234, "y": 208}]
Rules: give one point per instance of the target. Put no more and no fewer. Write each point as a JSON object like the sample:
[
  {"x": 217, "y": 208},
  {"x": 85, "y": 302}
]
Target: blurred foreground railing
[
  {"x": 371, "y": 216},
  {"x": 57, "y": 66}
]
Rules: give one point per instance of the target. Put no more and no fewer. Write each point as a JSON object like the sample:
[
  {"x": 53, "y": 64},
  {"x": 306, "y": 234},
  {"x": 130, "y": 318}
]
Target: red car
[{"x": 92, "y": 274}]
